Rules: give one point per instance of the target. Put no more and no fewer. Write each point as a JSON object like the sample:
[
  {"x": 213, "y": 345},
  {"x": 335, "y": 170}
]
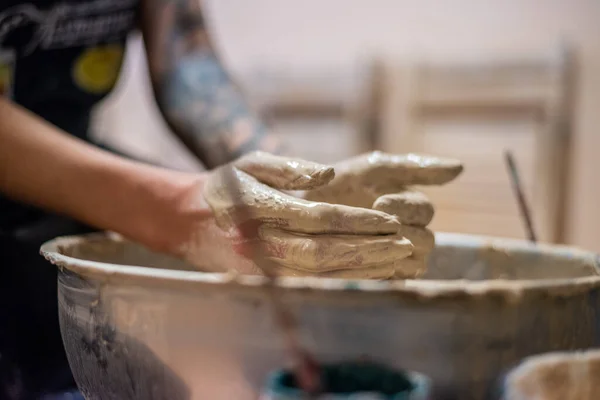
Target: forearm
[
  {"x": 42, "y": 166},
  {"x": 211, "y": 116},
  {"x": 198, "y": 98}
]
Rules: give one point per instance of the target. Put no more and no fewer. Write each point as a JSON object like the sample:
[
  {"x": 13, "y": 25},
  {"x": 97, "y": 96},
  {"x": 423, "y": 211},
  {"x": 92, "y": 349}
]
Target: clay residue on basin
[
  {"x": 478, "y": 258},
  {"x": 113, "y": 249},
  {"x": 556, "y": 376},
  {"x": 455, "y": 257}
]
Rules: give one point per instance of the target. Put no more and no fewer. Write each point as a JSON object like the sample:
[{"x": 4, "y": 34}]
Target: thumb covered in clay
[{"x": 285, "y": 173}]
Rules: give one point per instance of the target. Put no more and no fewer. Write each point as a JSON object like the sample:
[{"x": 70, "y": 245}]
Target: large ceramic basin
[{"x": 139, "y": 325}]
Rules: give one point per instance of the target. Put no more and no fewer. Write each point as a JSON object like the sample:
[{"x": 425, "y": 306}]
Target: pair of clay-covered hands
[{"x": 358, "y": 219}]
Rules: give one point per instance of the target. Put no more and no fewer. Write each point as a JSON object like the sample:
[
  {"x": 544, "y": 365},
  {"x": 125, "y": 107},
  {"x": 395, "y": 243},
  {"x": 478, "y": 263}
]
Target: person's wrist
[
  {"x": 170, "y": 210},
  {"x": 177, "y": 220},
  {"x": 153, "y": 206}
]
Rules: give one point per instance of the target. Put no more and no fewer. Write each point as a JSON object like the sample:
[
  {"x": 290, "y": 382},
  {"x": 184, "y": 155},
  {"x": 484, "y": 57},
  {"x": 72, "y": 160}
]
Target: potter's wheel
[{"x": 155, "y": 329}]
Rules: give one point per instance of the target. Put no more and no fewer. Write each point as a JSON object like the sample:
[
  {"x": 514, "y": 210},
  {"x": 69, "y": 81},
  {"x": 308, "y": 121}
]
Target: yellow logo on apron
[
  {"x": 7, "y": 66},
  {"x": 97, "y": 69}
]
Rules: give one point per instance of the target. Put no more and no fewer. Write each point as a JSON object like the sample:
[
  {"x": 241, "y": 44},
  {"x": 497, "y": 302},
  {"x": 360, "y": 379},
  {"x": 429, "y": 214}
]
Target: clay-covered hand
[
  {"x": 301, "y": 237},
  {"x": 384, "y": 182}
]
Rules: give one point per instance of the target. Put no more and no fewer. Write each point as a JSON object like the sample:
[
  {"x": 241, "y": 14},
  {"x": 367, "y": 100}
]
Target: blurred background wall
[{"x": 330, "y": 41}]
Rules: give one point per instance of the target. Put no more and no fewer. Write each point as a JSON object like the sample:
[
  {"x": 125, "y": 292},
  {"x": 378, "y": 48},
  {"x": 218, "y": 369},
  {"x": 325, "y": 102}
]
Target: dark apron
[{"x": 33, "y": 363}]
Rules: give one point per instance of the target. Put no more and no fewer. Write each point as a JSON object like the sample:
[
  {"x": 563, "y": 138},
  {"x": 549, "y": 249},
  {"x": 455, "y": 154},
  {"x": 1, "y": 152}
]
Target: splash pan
[{"x": 140, "y": 325}]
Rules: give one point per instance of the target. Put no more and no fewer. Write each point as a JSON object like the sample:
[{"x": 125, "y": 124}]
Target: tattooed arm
[{"x": 194, "y": 92}]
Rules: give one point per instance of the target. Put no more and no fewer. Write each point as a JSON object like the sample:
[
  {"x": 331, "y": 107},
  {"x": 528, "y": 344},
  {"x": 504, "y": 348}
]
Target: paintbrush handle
[{"x": 518, "y": 189}]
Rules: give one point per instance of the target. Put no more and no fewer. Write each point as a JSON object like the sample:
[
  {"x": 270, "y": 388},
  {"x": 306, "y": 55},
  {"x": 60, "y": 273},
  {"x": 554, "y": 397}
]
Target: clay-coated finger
[
  {"x": 422, "y": 238},
  {"x": 285, "y": 173},
  {"x": 262, "y": 203},
  {"x": 410, "y": 267},
  {"x": 411, "y": 207},
  {"x": 384, "y": 271},
  {"x": 321, "y": 253},
  {"x": 401, "y": 170}
]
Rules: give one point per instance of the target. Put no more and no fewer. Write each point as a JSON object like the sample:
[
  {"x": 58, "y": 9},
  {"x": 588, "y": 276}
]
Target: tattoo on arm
[{"x": 200, "y": 101}]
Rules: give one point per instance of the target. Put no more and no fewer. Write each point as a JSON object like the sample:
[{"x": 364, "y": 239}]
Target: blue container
[{"x": 352, "y": 381}]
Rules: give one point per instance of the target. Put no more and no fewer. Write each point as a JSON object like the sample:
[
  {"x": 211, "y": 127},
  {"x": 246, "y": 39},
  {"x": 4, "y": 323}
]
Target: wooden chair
[{"x": 474, "y": 111}]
